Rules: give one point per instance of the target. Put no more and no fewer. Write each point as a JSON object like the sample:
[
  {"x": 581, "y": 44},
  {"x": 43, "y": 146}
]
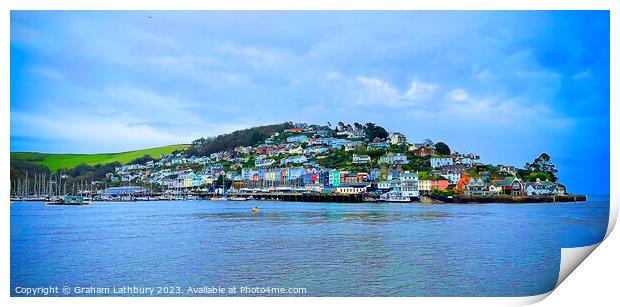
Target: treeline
[
  {"x": 80, "y": 173},
  {"x": 19, "y": 169},
  {"x": 245, "y": 137}
]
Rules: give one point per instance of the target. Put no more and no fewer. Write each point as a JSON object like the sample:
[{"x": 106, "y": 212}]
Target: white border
[{"x": 8, "y": 5}]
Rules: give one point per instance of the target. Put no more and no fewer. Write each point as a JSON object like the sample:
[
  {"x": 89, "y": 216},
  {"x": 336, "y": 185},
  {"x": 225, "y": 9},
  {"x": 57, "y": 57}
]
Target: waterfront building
[
  {"x": 424, "y": 185},
  {"x": 124, "y": 191},
  {"x": 512, "y": 186},
  {"x": 475, "y": 186},
  {"x": 540, "y": 188},
  {"x": 334, "y": 177},
  {"x": 409, "y": 185},
  {"x": 494, "y": 188},
  {"x": 440, "y": 183},
  {"x": 351, "y": 189},
  {"x": 384, "y": 185}
]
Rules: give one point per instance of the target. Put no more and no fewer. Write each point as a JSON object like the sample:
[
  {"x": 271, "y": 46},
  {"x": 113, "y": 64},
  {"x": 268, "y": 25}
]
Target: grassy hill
[{"x": 59, "y": 161}]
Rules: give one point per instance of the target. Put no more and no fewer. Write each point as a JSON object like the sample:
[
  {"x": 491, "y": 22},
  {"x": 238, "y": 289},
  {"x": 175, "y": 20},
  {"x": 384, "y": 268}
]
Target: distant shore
[{"x": 359, "y": 198}]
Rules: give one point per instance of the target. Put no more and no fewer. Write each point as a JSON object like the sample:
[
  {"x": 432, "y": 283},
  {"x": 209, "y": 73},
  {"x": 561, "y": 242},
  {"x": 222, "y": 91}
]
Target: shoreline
[{"x": 359, "y": 198}]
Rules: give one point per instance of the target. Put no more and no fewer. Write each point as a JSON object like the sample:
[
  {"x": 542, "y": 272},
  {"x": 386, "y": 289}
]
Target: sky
[{"x": 507, "y": 85}]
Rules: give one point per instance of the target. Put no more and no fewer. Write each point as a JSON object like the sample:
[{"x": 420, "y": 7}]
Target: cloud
[
  {"x": 458, "y": 95},
  {"x": 502, "y": 112},
  {"x": 585, "y": 74},
  {"x": 48, "y": 73},
  {"x": 376, "y": 92}
]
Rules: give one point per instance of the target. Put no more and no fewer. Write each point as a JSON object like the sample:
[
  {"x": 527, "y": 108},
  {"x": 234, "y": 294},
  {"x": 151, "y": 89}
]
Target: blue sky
[{"x": 506, "y": 85}]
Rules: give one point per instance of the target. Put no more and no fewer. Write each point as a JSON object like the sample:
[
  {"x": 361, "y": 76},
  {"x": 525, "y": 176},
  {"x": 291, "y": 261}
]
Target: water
[{"x": 329, "y": 249}]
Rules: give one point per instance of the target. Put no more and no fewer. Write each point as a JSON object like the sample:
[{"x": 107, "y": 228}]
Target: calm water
[{"x": 329, "y": 249}]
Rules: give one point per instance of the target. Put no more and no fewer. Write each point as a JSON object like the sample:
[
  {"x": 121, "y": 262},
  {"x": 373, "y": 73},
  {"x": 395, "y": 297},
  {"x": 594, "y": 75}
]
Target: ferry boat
[
  {"x": 394, "y": 198},
  {"x": 70, "y": 201},
  {"x": 237, "y": 198}
]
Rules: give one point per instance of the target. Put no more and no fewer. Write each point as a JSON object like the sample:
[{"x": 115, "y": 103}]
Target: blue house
[{"x": 297, "y": 139}]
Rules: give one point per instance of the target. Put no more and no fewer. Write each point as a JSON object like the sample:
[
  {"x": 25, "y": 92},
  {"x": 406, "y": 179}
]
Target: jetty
[{"x": 508, "y": 199}]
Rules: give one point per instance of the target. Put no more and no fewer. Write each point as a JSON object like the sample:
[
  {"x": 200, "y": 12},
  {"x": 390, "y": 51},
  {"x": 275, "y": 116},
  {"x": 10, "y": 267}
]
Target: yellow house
[{"x": 187, "y": 183}]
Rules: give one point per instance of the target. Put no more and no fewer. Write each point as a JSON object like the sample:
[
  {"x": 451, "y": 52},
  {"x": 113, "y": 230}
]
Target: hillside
[
  {"x": 65, "y": 161},
  {"x": 245, "y": 137}
]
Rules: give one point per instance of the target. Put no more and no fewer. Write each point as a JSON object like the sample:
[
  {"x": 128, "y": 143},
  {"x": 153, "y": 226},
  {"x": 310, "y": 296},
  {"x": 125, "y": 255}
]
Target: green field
[{"x": 59, "y": 161}]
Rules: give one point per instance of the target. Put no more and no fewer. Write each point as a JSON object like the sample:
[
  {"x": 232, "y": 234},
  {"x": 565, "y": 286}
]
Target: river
[{"x": 327, "y": 249}]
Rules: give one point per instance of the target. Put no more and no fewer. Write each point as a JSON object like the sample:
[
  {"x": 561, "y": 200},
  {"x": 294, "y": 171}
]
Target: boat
[
  {"x": 70, "y": 201},
  {"x": 237, "y": 198},
  {"x": 218, "y": 198},
  {"x": 394, "y": 198}
]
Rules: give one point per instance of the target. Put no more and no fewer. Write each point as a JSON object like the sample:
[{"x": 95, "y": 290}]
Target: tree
[
  {"x": 340, "y": 126},
  {"x": 374, "y": 131},
  {"x": 543, "y": 164},
  {"x": 442, "y": 148}
]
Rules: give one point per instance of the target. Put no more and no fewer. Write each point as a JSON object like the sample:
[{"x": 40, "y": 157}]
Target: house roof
[{"x": 507, "y": 181}]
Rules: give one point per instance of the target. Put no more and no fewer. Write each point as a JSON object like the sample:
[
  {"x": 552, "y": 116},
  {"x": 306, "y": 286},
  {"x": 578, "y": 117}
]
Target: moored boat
[
  {"x": 237, "y": 198},
  {"x": 394, "y": 198},
  {"x": 70, "y": 201}
]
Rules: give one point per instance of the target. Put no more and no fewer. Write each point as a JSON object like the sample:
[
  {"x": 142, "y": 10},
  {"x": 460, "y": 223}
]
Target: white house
[
  {"x": 437, "y": 162},
  {"x": 351, "y": 189},
  {"x": 452, "y": 177},
  {"x": 397, "y": 138},
  {"x": 409, "y": 185},
  {"x": 361, "y": 159},
  {"x": 391, "y": 158}
]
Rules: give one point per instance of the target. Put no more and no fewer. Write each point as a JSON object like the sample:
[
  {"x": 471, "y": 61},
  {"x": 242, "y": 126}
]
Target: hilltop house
[
  {"x": 351, "y": 145},
  {"x": 378, "y": 146},
  {"x": 437, "y": 162},
  {"x": 468, "y": 159},
  {"x": 397, "y": 138},
  {"x": 297, "y": 139},
  {"x": 506, "y": 168},
  {"x": 424, "y": 151}
]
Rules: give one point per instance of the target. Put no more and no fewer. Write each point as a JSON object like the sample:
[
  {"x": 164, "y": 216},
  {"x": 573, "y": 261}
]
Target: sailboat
[{"x": 215, "y": 197}]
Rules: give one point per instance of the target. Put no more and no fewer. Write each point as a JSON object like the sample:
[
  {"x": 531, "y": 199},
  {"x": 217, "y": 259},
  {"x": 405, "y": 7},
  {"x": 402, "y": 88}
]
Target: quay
[
  {"x": 509, "y": 199},
  {"x": 296, "y": 197}
]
